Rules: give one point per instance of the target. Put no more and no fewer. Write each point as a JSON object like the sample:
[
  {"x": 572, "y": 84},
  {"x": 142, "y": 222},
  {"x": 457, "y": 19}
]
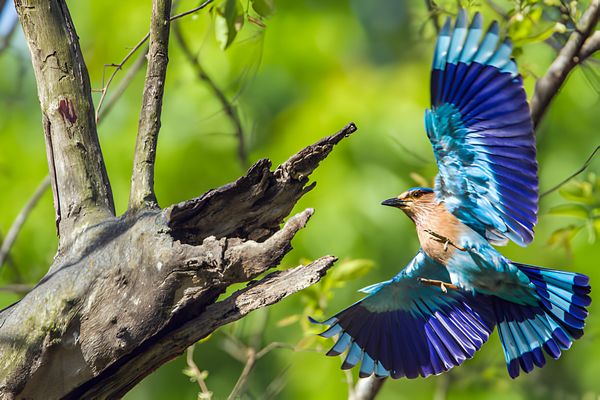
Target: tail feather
[{"x": 552, "y": 325}]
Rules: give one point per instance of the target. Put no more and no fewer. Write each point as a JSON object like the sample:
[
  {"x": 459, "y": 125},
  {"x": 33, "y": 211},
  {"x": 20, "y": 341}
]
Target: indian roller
[{"x": 440, "y": 309}]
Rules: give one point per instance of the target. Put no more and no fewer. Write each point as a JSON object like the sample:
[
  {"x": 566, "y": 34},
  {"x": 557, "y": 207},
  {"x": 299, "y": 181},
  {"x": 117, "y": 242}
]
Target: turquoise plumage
[{"x": 443, "y": 306}]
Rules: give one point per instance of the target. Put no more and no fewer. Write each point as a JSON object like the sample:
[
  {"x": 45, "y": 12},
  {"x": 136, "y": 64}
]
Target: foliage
[
  {"x": 583, "y": 207},
  {"x": 296, "y": 72}
]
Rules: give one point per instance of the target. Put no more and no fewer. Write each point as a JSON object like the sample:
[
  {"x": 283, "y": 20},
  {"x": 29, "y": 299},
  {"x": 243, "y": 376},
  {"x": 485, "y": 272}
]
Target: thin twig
[
  {"x": 135, "y": 48},
  {"x": 272, "y": 346},
  {"x": 228, "y": 107},
  {"x": 19, "y": 221},
  {"x": 573, "y": 175},
  {"x": 497, "y": 9},
  {"x": 123, "y": 85},
  {"x": 432, "y": 8},
  {"x": 198, "y": 375},
  {"x": 243, "y": 379},
  {"x": 193, "y": 10},
  {"x": 142, "y": 179},
  {"x": 118, "y": 67},
  {"x": 547, "y": 86},
  {"x": 252, "y": 356}
]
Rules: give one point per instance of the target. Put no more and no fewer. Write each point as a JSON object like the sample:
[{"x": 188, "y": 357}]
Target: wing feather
[{"x": 481, "y": 132}]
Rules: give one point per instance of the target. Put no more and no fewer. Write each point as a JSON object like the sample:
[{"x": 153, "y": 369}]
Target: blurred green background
[{"x": 313, "y": 67}]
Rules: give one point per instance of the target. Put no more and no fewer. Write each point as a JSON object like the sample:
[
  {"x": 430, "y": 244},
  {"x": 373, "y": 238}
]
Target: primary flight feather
[{"x": 440, "y": 309}]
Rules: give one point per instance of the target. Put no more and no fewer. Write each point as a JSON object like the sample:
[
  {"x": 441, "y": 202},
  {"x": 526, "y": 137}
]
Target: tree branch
[
  {"x": 19, "y": 221},
  {"x": 367, "y": 388},
  {"x": 230, "y": 109},
  {"x": 548, "y": 86},
  {"x": 82, "y": 193},
  {"x": 267, "y": 291},
  {"x": 142, "y": 180},
  {"x": 212, "y": 215},
  {"x": 134, "y": 292},
  {"x": 590, "y": 46}
]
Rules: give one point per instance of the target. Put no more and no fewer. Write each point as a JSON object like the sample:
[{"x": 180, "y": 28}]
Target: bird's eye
[{"x": 417, "y": 194}]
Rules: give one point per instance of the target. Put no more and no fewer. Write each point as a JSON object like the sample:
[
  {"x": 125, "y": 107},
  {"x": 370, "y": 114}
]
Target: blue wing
[
  {"x": 405, "y": 328},
  {"x": 481, "y": 131}
]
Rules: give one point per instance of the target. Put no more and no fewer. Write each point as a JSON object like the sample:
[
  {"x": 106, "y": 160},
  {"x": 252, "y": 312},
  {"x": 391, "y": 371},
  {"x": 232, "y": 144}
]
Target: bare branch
[
  {"x": 230, "y": 109},
  {"x": 19, "y": 221},
  {"x": 142, "y": 180},
  {"x": 16, "y": 226},
  {"x": 590, "y": 46},
  {"x": 367, "y": 388},
  {"x": 193, "y": 220},
  {"x": 271, "y": 289},
  {"x": 130, "y": 295},
  {"x": 548, "y": 86},
  {"x": 81, "y": 188}
]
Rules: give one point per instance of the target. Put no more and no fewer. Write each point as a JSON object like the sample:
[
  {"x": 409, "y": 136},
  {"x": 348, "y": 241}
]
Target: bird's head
[{"x": 415, "y": 202}]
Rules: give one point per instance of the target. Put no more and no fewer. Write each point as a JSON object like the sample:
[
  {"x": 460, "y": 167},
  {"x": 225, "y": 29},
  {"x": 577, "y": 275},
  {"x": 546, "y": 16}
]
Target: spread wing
[
  {"x": 405, "y": 328},
  {"x": 481, "y": 131}
]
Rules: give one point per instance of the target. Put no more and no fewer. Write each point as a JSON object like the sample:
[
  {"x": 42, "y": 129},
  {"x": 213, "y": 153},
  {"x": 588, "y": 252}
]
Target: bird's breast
[{"x": 440, "y": 234}]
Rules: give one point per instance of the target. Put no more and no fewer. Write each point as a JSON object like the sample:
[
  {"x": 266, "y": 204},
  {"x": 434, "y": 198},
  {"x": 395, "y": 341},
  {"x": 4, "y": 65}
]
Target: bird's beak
[{"x": 394, "y": 202}]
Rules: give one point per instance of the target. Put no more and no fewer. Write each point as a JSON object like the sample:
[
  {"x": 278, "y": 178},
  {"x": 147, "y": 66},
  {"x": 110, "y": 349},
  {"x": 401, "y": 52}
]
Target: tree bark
[
  {"x": 82, "y": 193},
  {"x": 126, "y": 294},
  {"x": 133, "y": 292},
  {"x": 142, "y": 179}
]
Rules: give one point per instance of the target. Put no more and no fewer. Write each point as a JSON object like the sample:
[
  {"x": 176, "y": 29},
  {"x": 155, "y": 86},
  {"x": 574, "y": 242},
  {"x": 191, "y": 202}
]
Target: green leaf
[
  {"x": 351, "y": 269},
  {"x": 570, "y": 210},
  {"x": 229, "y": 19},
  {"x": 582, "y": 192},
  {"x": 264, "y": 8},
  {"x": 289, "y": 320},
  {"x": 564, "y": 236}
]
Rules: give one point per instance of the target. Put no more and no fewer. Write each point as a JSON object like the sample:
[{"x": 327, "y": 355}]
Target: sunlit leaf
[
  {"x": 264, "y": 8},
  {"x": 229, "y": 19},
  {"x": 564, "y": 236},
  {"x": 288, "y": 320},
  {"x": 570, "y": 210},
  {"x": 351, "y": 269}
]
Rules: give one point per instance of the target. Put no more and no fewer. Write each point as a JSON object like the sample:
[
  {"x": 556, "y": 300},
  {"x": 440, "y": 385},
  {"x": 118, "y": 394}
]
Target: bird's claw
[
  {"x": 444, "y": 286},
  {"x": 445, "y": 240}
]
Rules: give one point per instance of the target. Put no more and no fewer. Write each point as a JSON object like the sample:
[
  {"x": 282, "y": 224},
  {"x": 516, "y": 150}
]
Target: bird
[{"x": 444, "y": 305}]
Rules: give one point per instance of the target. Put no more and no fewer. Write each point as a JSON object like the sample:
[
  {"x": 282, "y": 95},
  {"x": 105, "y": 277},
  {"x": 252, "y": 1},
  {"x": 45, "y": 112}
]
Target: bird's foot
[
  {"x": 444, "y": 286},
  {"x": 445, "y": 240}
]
